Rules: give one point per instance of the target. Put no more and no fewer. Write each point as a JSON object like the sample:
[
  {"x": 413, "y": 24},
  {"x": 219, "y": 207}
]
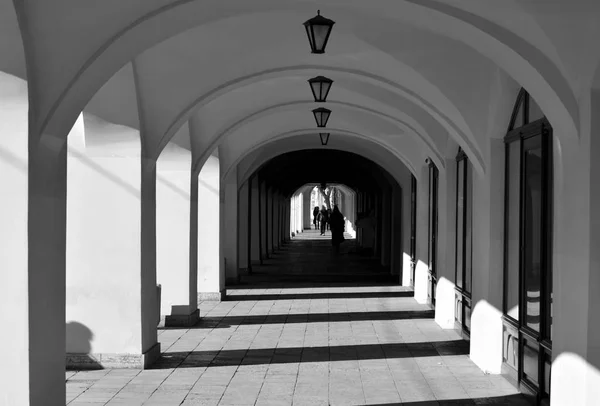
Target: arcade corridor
[
  {"x": 162, "y": 163},
  {"x": 306, "y": 328}
]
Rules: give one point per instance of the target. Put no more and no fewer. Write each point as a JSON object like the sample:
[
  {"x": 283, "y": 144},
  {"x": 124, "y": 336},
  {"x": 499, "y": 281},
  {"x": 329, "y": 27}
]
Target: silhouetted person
[
  {"x": 324, "y": 218},
  {"x": 316, "y": 217},
  {"x": 337, "y": 225},
  {"x": 328, "y": 217}
]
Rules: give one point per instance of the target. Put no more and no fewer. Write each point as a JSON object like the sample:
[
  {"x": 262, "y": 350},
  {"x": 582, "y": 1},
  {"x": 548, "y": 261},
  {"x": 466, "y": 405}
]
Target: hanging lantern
[
  {"x": 318, "y": 30},
  {"x": 324, "y": 138},
  {"x": 320, "y": 87},
  {"x": 321, "y": 116}
]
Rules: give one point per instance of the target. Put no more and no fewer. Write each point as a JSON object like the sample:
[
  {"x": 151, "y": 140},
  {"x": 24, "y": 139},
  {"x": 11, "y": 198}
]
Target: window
[
  {"x": 413, "y": 228},
  {"x": 527, "y": 250},
  {"x": 463, "y": 264},
  {"x": 432, "y": 230}
]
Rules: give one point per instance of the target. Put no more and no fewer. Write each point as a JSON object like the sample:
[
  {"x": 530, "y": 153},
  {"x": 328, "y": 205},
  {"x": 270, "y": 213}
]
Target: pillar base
[
  {"x": 212, "y": 296},
  {"x": 76, "y": 361},
  {"x": 182, "y": 320}
]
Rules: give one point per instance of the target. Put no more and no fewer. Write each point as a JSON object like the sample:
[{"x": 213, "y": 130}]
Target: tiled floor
[{"x": 307, "y": 328}]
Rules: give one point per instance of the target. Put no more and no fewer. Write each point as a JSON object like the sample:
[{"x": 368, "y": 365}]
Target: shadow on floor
[
  {"x": 315, "y": 318},
  {"x": 328, "y": 295},
  {"x": 337, "y": 282},
  {"x": 199, "y": 359},
  {"x": 515, "y": 400}
]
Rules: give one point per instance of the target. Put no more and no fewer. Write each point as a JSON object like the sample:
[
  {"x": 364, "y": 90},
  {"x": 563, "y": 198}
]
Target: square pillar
[
  {"x": 175, "y": 202},
  {"x": 32, "y": 258},
  {"x": 445, "y": 267},
  {"x": 255, "y": 219},
  {"x": 397, "y": 232},
  {"x": 244, "y": 216},
  {"x": 211, "y": 280},
  {"x": 264, "y": 221},
  {"x": 422, "y": 267},
  {"x": 229, "y": 228},
  {"x": 488, "y": 260}
]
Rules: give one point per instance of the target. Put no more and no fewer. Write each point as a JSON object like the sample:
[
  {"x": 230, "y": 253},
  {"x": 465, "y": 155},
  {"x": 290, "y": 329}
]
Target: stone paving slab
[{"x": 312, "y": 341}]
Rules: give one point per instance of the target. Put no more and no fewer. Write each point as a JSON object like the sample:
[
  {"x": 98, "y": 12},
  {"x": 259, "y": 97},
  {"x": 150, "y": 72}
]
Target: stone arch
[
  {"x": 532, "y": 68},
  {"x": 286, "y": 147},
  {"x": 452, "y": 121},
  {"x": 431, "y": 149}
]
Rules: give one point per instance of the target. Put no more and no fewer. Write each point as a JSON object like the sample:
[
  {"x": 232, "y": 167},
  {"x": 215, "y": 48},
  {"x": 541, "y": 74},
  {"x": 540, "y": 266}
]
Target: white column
[
  {"x": 275, "y": 221},
  {"x": 422, "y": 266},
  {"x": 406, "y": 225},
  {"x": 301, "y": 213},
  {"x": 386, "y": 228},
  {"x": 286, "y": 219},
  {"x": 269, "y": 214},
  {"x": 306, "y": 212},
  {"x": 397, "y": 232},
  {"x": 211, "y": 282},
  {"x": 21, "y": 374},
  {"x": 350, "y": 213},
  {"x": 295, "y": 215},
  {"x": 111, "y": 303},
  {"x": 174, "y": 227},
  {"x": 254, "y": 215},
  {"x": 263, "y": 221},
  {"x": 576, "y": 263},
  {"x": 243, "y": 230},
  {"x": 229, "y": 230},
  {"x": 292, "y": 213},
  {"x": 444, "y": 294},
  {"x": 488, "y": 260}
]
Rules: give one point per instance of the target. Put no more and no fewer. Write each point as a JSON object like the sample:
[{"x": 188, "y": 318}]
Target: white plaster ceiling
[{"x": 430, "y": 69}]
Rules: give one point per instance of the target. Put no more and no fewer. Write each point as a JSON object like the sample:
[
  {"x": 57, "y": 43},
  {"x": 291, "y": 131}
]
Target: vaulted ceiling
[{"x": 415, "y": 78}]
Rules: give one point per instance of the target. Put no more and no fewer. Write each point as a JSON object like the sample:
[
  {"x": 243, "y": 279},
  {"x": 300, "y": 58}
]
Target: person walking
[
  {"x": 316, "y": 217},
  {"x": 324, "y": 218},
  {"x": 337, "y": 225}
]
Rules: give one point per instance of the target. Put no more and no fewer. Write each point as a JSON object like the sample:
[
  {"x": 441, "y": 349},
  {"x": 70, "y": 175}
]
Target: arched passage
[{"x": 448, "y": 67}]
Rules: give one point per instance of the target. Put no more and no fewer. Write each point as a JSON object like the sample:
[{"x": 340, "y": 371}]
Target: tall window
[
  {"x": 527, "y": 307},
  {"x": 432, "y": 227},
  {"x": 413, "y": 228},
  {"x": 464, "y": 244}
]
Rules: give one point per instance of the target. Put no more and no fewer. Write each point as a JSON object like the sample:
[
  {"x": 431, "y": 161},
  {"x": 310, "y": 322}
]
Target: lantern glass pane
[
  {"x": 325, "y": 86},
  {"x": 320, "y": 33},
  {"x": 324, "y": 138},
  {"x": 325, "y": 117},
  {"x": 316, "y": 90},
  {"x": 309, "y": 34}
]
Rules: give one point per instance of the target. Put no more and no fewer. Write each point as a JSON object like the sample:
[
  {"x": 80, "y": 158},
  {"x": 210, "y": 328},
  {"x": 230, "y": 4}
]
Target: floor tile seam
[
  {"x": 362, "y": 388},
  {"x": 124, "y": 386},
  {"x": 214, "y": 329},
  {"x": 396, "y": 381}
]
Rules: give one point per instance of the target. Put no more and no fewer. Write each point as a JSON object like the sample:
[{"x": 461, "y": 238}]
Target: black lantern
[
  {"x": 321, "y": 116},
  {"x": 318, "y": 30},
  {"x": 320, "y": 87},
  {"x": 324, "y": 138}
]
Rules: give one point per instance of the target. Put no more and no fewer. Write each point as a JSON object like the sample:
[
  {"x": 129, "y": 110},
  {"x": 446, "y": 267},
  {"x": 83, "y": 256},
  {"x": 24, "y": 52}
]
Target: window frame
[
  {"x": 413, "y": 228},
  {"x": 463, "y": 296},
  {"x": 432, "y": 229},
  {"x": 518, "y": 329}
]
